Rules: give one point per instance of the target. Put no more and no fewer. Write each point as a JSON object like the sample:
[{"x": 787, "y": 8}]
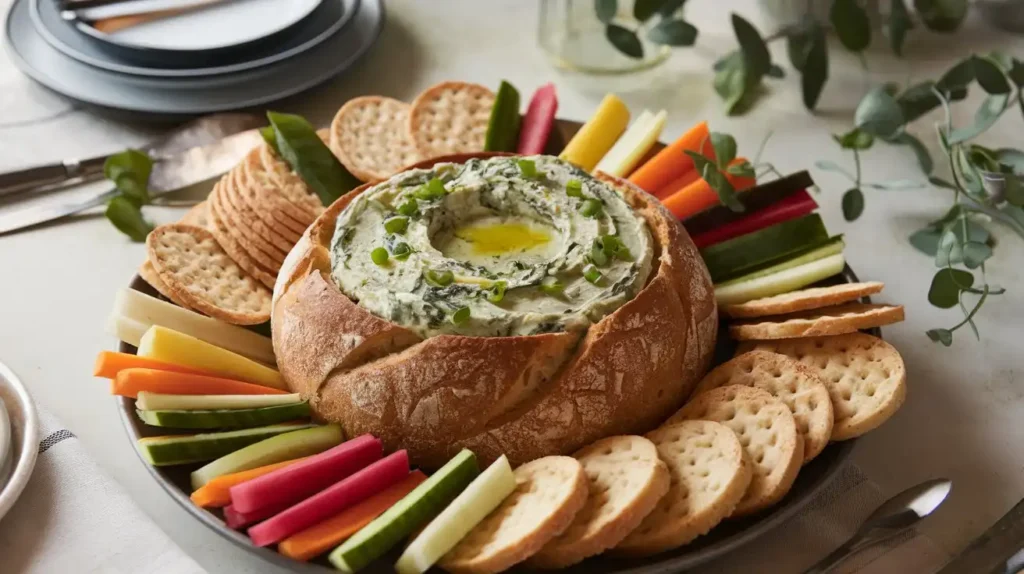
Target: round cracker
[
  {"x": 198, "y": 215},
  {"x": 238, "y": 253},
  {"x": 787, "y": 380},
  {"x": 370, "y": 137},
  {"x": 709, "y": 475},
  {"x": 240, "y": 233},
  {"x": 549, "y": 492},
  {"x": 864, "y": 375},
  {"x": 232, "y": 199},
  {"x": 803, "y": 300},
  {"x": 450, "y": 118},
  {"x": 265, "y": 191},
  {"x": 196, "y": 269},
  {"x": 766, "y": 429},
  {"x": 266, "y": 203},
  {"x": 836, "y": 320},
  {"x": 291, "y": 186},
  {"x": 626, "y": 481},
  {"x": 149, "y": 275}
]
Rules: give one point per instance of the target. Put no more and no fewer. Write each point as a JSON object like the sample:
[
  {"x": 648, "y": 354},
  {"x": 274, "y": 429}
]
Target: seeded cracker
[
  {"x": 370, "y": 137},
  {"x": 627, "y": 479},
  {"x": 803, "y": 300},
  {"x": 195, "y": 268},
  {"x": 864, "y": 375},
  {"x": 836, "y": 320},
  {"x": 549, "y": 492},
  {"x": 450, "y": 118},
  {"x": 149, "y": 275},
  {"x": 766, "y": 430},
  {"x": 787, "y": 380},
  {"x": 709, "y": 474}
]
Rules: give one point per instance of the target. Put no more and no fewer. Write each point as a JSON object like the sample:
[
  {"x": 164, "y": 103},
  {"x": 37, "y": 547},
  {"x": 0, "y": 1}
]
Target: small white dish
[
  {"x": 24, "y": 438},
  {"x": 5, "y": 442}
]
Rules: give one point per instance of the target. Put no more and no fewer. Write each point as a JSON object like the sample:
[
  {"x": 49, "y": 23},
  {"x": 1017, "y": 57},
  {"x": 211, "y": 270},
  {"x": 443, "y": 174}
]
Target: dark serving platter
[{"x": 728, "y": 536}]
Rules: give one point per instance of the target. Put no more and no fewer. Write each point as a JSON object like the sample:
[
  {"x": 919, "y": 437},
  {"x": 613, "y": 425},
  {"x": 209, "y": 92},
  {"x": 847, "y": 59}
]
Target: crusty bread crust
[{"x": 527, "y": 396}]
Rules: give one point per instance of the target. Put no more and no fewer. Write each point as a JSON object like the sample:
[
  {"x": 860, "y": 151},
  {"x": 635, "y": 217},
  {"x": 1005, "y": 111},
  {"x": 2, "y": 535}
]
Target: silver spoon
[{"x": 894, "y": 516}]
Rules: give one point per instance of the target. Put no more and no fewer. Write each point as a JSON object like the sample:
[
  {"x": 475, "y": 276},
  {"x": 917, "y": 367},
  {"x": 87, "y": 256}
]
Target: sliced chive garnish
[
  {"x": 409, "y": 208},
  {"x": 396, "y": 224},
  {"x": 433, "y": 189},
  {"x": 497, "y": 292},
  {"x": 379, "y": 255},
  {"x": 527, "y": 167},
  {"x": 574, "y": 188},
  {"x": 439, "y": 278},
  {"x": 460, "y": 316},
  {"x": 401, "y": 251},
  {"x": 590, "y": 273},
  {"x": 551, "y": 285},
  {"x": 598, "y": 255},
  {"x": 591, "y": 208}
]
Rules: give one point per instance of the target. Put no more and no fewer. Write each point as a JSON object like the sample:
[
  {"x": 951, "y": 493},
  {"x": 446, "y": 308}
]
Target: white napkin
[{"x": 74, "y": 518}]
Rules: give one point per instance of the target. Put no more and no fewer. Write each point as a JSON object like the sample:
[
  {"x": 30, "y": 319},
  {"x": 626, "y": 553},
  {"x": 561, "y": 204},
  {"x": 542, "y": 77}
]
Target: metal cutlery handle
[{"x": 49, "y": 176}]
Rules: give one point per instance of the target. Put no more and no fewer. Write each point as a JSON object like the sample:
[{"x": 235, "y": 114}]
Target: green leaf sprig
[
  {"x": 129, "y": 171},
  {"x": 295, "y": 140},
  {"x": 657, "y": 20}
]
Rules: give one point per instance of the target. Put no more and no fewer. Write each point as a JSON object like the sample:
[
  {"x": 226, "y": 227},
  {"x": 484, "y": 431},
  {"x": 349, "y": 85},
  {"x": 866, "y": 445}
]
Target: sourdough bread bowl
[{"x": 619, "y": 364}]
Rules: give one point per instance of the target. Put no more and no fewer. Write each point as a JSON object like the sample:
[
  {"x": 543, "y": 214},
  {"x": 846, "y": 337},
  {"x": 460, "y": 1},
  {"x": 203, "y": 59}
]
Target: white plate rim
[{"x": 27, "y": 448}]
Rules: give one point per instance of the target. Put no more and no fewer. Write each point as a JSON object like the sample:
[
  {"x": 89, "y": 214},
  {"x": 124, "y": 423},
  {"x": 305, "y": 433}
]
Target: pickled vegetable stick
[
  {"x": 536, "y": 125},
  {"x": 698, "y": 196},
  {"x": 672, "y": 162},
  {"x": 130, "y": 382},
  {"x": 481, "y": 497},
  {"x": 170, "y": 346},
  {"x": 306, "y": 441},
  {"x": 782, "y": 282},
  {"x": 225, "y": 418},
  {"x": 170, "y": 450},
  {"x": 298, "y": 482},
  {"x": 217, "y": 492},
  {"x": 320, "y": 538},
  {"x": 149, "y": 401},
  {"x": 631, "y": 147},
  {"x": 598, "y": 135},
  {"x": 109, "y": 363},
  {"x": 327, "y": 503},
  {"x": 134, "y": 309}
]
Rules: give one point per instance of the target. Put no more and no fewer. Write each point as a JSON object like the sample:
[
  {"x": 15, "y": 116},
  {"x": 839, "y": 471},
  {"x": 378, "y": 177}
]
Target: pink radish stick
[
  {"x": 296, "y": 482},
  {"x": 536, "y": 126},
  {"x": 239, "y": 520}
]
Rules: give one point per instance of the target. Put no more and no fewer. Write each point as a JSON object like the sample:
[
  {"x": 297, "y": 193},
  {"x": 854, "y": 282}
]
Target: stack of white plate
[
  {"x": 228, "y": 55},
  {"x": 19, "y": 438}
]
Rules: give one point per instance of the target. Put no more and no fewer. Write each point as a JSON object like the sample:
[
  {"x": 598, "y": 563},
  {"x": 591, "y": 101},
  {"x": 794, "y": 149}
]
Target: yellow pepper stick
[{"x": 598, "y": 135}]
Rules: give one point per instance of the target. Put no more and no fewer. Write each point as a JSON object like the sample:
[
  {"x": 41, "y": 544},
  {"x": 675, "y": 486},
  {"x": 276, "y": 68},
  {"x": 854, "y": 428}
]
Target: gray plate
[
  {"x": 725, "y": 537},
  {"x": 188, "y": 96},
  {"x": 24, "y": 428},
  {"x": 325, "y": 21}
]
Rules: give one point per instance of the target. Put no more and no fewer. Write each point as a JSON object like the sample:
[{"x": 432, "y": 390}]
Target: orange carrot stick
[
  {"x": 698, "y": 195},
  {"x": 109, "y": 364},
  {"x": 677, "y": 184},
  {"x": 672, "y": 162},
  {"x": 322, "y": 537},
  {"x": 217, "y": 493},
  {"x": 129, "y": 382}
]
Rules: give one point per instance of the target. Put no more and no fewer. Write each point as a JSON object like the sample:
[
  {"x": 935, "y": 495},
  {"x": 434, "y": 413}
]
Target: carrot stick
[
  {"x": 216, "y": 493},
  {"x": 677, "y": 184},
  {"x": 672, "y": 162},
  {"x": 129, "y": 382},
  {"x": 109, "y": 363},
  {"x": 322, "y": 537},
  {"x": 698, "y": 196}
]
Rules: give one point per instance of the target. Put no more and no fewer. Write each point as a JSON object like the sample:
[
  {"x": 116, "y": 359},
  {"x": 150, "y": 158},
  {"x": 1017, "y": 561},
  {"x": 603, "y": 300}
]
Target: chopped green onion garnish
[
  {"x": 614, "y": 247},
  {"x": 497, "y": 292},
  {"x": 590, "y": 273},
  {"x": 591, "y": 208},
  {"x": 409, "y": 208},
  {"x": 379, "y": 255},
  {"x": 396, "y": 224},
  {"x": 551, "y": 285},
  {"x": 574, "y": 188},
  {"x": 432, "y": 190},
  {"x": 439, "y": 278},
  {"x": 598, "y": 255},
  {"x": 461, "y": 316},
  {"x": 527, "y": 167},
  {"x": 401, "y": 251}
]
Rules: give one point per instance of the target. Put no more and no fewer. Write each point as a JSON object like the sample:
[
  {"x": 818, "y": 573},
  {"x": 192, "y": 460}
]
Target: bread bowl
[{"x": 539, "y": 390}]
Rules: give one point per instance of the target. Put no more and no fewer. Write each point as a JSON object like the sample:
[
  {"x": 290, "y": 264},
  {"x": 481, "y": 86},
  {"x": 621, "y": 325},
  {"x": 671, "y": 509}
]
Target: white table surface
[{"x": 964, "y": 417}]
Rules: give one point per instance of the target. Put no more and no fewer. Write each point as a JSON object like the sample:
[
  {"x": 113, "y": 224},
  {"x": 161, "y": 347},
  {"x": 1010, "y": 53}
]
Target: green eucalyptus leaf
[
  {"x": 644, "y": 9},
  {"x": 731, "y": 82},
  {"x": 959, "y": 76},
  {"x": 725, "y": 148},
  {"x": 752, "y": 46},
  {"x": 776, "y": 71},
  {"x": 673, "y": 33},
  {"x": 851, "y": 24},
  {"x": 989, "y": 111},
  {"x": 606, "y": 9},
  {"x": 1012, "y": 159},
  {"x": 815, "y": 70},
  {"x": 798, "y": 46},
  {"x": 941, "y": 15},
  {"x": 944, "y": 336},
  {"x": 975, "y": 254},
  {"x": 924, "y": 158},
  {"x": 853, "y": 204},
  {"x": 303, "y": 150},
  {"x": 855, "y": 139},
  {"x": 1016, "y": 72},
  {"x": 1013, "y": 190},
  {"x": 920, "y": 99},
  {"x": 878, "y": 114},
  {"x": 946, "y": 286},
  {"x": 127, "y": 218},
  {"x": 926, "y": 240},
  {"x": 624, "y": 40},
  {"x": 989, "y": 76},
  {"x": 899, "y": 24},
  {"x": 717, "y": 181},
  {"x": 725, "y": 61},
  {"x": 939, "y": 182},
  {"x": 670, "y": 7}
]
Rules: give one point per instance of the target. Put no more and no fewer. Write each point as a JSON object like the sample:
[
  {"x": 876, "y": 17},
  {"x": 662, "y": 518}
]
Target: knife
[{"x": 191, "y": 166}]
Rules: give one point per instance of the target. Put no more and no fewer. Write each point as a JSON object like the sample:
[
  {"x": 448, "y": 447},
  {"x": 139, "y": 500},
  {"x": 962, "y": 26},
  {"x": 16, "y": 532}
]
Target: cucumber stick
[
  {"x": 503, "y": 125},
  {"x": 225, "y": 419},
  {"x": 168, "y": 450},
  {"x": 763, "y": 248},
  {"x": 780, "y": 282},
  {"x": 835, "y": 246},
  {"x": 410, "y": 513},
  {"x": 148, "y": 401},
  {"x": 297, "y": 444},
  {"x": 479, "y": 499}
]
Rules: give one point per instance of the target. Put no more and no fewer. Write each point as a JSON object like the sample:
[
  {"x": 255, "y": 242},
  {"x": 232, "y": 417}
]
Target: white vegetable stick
[
  {"x": 631, "y": 147},
  {"x": 148, "y": 401}
]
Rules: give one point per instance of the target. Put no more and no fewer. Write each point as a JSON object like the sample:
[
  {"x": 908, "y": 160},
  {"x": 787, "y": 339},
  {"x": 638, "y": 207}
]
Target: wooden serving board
[{"x": 726, "y": 537}]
